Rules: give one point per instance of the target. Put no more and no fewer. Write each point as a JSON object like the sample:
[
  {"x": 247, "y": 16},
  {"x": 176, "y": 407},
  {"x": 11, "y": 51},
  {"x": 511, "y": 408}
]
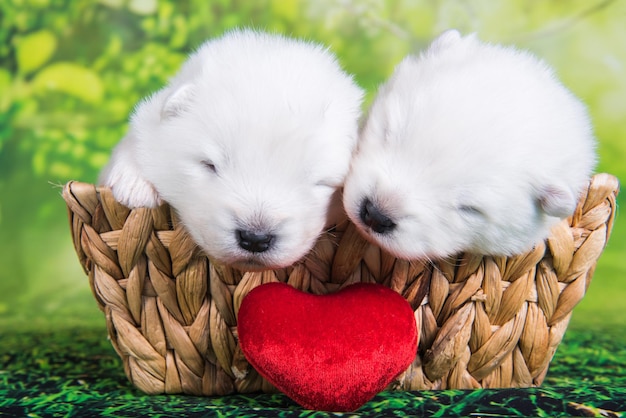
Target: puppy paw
[
  {"x": 135, "y": 193},
  {"x": 557, "y": 200},
  {"x": 126, "y": 182}
]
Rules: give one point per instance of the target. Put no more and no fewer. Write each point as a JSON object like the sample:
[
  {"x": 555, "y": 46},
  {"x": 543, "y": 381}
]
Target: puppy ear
[
  {"x": 446, "y": 39},
  {"x": 177, "y": 102},
  {"x": 557, "y": 201}
]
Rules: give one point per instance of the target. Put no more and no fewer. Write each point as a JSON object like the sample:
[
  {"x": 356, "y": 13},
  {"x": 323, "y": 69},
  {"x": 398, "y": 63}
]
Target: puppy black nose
[
  {"x": 375, "y": 219},
  {"x": 255, "y": 242}
]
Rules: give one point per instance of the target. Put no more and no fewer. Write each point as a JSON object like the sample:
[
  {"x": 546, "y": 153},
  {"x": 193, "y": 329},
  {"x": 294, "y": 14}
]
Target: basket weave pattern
[{"x": 484, "y": 321}]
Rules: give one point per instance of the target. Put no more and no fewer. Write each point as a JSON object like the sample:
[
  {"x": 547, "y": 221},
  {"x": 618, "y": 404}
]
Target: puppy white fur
[
  {"x": 249, "y": 143},
  {"x": 468, "y": 147}
]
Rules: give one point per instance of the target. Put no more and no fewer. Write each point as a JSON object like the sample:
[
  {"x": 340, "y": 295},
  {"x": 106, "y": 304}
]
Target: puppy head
[
  {"x": 250, "y": 144},
  {"x": 470, "y": 147},
  {"x": 415, "y": 210}
]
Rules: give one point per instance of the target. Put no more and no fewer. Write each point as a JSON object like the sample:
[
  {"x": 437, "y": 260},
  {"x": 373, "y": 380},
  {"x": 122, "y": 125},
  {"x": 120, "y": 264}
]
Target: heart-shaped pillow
[{"x": 332, "y": 352}]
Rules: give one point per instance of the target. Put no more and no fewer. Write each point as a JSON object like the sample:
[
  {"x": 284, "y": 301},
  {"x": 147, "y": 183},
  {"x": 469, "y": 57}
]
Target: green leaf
[
  {"x": 287, "y": 9},
  {"x": 5, "y": 84},
  {"x": 34, "y": 50},
  {"x": 143, "y": 7},
  {"x": 71, "y": 79},
  {"x": 5, "y": 79}
]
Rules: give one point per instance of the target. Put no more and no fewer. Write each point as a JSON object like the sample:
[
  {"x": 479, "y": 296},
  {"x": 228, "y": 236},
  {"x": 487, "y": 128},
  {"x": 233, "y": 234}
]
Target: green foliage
[
  {"x": 75, "y": 372},
  {"x": 71, "y": 68},
  {"x": 72, "y": 71}
]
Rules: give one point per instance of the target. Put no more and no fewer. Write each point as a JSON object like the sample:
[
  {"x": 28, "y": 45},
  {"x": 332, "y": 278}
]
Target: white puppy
[
  {"x": 468, "y": 147},
  {"x": 249, "y": 143}
]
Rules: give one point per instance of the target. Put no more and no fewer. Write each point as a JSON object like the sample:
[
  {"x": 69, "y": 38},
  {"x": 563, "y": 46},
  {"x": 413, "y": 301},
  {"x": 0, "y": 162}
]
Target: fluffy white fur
[
  {"x": 255, "y": 133},
  {"x": 468, "y": 147}
]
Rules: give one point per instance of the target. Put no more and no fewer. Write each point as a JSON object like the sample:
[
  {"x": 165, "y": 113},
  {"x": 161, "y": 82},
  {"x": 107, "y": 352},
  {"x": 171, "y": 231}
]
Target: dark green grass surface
[{"x": 75, "y": 372}]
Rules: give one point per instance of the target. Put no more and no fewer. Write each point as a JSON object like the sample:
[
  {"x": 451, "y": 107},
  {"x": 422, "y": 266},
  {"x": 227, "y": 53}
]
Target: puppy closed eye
[
  {"x": 329, "y": 183},
  {"x": 471, "y": 211},
  {"x": 209, "y": 165}
]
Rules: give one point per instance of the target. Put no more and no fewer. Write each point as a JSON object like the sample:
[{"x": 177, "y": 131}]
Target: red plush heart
[{"x": 331, "y": 352}]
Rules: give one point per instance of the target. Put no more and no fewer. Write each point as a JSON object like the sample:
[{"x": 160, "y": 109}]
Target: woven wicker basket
[{"x": 484, "y": 321}]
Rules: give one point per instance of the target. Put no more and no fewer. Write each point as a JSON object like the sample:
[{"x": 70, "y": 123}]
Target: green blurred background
[{"x": 71, "y": 72}]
